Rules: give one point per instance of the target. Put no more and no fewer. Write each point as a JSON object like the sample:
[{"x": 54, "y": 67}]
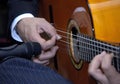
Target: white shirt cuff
[{"x": 13, "y": 26}]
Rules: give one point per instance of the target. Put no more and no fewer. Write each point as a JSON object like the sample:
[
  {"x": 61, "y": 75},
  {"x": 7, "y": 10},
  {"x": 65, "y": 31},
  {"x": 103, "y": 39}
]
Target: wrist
[{"x": 14, "y": 33}]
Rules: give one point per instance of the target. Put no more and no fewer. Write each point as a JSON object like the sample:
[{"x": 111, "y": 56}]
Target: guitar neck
[{"x": 88, "y": 47}]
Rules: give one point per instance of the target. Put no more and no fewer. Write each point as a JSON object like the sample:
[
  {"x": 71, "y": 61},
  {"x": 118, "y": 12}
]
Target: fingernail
[
  {"x": 58, "y": 37},
  {"x": 112, "y": 54},
  {"x": 57, "y": 47},
  {"x": 103, "y": 53}
]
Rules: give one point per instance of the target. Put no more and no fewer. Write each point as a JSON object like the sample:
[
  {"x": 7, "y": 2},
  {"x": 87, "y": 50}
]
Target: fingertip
[
  {"x": 103, "y": 53},
  {"x": 56, "y": 48},
  {"x": 112, "y": 54}
]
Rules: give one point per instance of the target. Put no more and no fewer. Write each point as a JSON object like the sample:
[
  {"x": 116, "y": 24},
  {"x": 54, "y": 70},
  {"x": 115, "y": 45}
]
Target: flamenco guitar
[
  {"x": 92, "y": 28},
  {"x": 81, "y": 43}
]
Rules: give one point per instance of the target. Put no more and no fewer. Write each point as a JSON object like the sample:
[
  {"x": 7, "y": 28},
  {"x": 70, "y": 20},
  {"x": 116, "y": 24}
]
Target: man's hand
[
  {"x": 102, "y": 70},
  {"x": 29, "y": 29}
]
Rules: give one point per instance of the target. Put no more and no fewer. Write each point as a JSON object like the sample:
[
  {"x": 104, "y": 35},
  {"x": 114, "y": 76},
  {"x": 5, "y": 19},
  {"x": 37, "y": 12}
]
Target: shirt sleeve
[{"x": 14, "y": 34}]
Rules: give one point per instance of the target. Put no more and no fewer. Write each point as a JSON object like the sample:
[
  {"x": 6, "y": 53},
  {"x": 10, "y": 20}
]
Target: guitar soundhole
[{"x": 73, "y": 47}]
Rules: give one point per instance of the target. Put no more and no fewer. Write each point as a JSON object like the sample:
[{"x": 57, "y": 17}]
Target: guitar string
[
  {"x": 83, "y": 36},
  {"x": 80, "y": 41},
  {"x": 83, "y": 47},
  {"x": 85, "y": 39}
]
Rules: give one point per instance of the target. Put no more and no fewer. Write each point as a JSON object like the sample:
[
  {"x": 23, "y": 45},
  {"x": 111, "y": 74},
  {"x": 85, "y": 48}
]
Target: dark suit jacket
[{"x": 15, "y": 8}]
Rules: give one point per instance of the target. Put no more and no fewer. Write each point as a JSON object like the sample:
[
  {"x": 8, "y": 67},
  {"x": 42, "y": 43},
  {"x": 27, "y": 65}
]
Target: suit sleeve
[{"x": 18, "y": 7}]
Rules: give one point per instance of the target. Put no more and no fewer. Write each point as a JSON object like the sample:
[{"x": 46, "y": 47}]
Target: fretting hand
[{"x": 101, "y": 69}]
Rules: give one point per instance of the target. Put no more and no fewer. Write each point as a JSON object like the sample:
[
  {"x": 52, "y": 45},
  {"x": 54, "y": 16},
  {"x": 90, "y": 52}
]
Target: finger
[
  {"x": 49, "y": 54},
  {"x": 48, "y": 28},
  {"x": 94, "y": 67},
  {"x": 49, "y": 43},
  {"x": 44, "y": 62},
  {"x": 106, "y": 62},
  {"x": 96, "y": 62},
  {"x": 107, "y": 66},
  {"x": 44, "y": 44},
  {"x": 47, "y": 63}
]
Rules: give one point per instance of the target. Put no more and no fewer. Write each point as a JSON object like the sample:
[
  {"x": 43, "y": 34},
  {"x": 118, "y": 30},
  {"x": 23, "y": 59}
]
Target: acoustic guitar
[{"x": 87, "y": 28}]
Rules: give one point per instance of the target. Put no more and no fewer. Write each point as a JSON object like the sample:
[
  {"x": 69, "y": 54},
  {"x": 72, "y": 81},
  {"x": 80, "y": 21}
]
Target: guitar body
[
  {"x": 60, "y": 12},
  {"x": 105, "y": 15}
]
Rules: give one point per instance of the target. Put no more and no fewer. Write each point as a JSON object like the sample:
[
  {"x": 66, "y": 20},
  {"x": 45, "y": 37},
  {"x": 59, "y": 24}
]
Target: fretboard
[{"x": 88, "y": 47}]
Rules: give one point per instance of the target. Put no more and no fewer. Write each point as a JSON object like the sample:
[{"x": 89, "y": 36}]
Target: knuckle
[
  {"x": 42, "y": 19},
  {"x": 44, "y": 47},
  {"x": 105, "y": 67},
  {"x": 90, "y": 70}
]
